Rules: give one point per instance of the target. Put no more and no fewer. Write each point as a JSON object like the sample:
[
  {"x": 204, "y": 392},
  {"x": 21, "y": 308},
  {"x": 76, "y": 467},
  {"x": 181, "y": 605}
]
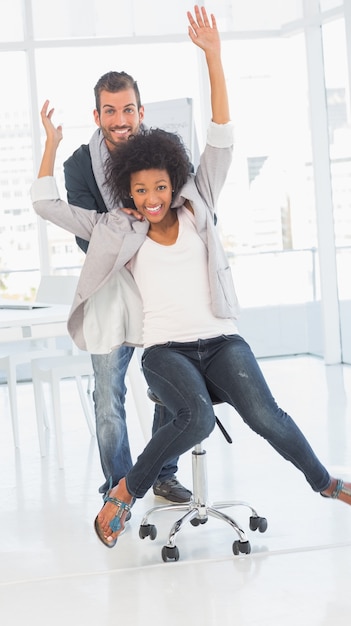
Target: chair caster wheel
[
  {"x": 196, "y": 521},
  {"x": 241, "y": 546},
  {"x": 148, "y": 530},
  {"x": 170, "y": 554},
  {"x": 259, "y": 523}
]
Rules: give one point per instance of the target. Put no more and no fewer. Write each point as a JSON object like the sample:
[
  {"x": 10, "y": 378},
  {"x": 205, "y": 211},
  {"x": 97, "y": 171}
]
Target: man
[{"x": 118, "y": 115}]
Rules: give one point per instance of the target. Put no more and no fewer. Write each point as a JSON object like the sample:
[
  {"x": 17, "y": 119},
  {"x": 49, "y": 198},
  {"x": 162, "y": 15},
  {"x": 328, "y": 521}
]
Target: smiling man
[{"x": 118, "y": 114}]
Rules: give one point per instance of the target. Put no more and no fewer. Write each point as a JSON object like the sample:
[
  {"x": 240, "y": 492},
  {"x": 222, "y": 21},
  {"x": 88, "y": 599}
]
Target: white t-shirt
[{"x": 174, "y": 287}]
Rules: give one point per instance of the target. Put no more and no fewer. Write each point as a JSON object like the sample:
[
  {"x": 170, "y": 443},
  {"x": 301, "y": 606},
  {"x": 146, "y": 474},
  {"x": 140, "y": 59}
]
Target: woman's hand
[
  {"x": 206, "y": 36},
  {"x": 202, "y": 33}
]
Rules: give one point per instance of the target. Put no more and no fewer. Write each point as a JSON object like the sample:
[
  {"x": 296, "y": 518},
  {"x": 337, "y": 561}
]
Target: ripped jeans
[{"x": 184, "y": 376}]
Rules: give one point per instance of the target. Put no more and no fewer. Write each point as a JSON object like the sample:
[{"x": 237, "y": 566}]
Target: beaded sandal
[
  {"x": 338, "y": 489},
  {"x": 116, "y": 522}
]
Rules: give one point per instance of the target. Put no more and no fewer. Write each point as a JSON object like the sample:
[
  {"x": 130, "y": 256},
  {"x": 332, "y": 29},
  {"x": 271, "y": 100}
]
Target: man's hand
[
  {"x": 133, "y": 212},
  {"x": 53, "y": 135},
  {"x": 53, "y": 138}
]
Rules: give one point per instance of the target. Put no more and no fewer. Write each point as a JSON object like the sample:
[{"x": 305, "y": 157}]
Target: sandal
[
  {"x": 340, "y": 488},
  {"x": 116, "y": 524},
  {"x": 100, "y": 534}
]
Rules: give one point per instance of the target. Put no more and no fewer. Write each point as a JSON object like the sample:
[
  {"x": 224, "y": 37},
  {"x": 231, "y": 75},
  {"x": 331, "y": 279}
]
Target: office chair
[{"x": 198, "y": 510}]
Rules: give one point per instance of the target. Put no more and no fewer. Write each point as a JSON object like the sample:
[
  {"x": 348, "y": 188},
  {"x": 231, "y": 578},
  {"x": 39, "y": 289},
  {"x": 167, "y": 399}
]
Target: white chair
[
  {"x": 76, "y": 365},
  {"x": 52, "y": 371},
  {"x": 51, "y": 290}
]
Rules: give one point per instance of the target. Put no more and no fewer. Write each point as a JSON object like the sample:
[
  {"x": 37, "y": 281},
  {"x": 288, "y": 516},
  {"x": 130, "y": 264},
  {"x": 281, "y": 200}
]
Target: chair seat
[{"x": 65, "y": 366}]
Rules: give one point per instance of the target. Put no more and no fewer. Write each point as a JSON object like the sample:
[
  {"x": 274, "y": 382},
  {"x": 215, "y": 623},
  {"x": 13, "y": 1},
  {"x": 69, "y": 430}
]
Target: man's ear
[
  {"x": 97, "y": 117},
  {"x": 141, "y": 114}
]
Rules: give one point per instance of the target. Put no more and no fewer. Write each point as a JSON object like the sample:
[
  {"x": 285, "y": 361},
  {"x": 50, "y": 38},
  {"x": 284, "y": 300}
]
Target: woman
[{"x": 172, "y": 264}]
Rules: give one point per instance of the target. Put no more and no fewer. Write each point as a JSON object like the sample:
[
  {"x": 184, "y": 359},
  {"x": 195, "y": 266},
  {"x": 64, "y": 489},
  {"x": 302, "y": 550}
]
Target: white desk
[{"x": 51, "y": 321}]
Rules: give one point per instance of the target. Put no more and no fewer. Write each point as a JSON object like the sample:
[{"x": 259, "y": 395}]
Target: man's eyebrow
[{"x": 112, "y": 106}]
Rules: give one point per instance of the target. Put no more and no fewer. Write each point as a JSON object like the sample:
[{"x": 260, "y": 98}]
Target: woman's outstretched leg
[{"x": 233, "y": 374}]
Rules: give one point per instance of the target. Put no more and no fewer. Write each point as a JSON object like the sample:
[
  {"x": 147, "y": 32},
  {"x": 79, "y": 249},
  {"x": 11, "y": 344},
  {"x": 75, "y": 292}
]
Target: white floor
[{"x": 54, "y": 571}]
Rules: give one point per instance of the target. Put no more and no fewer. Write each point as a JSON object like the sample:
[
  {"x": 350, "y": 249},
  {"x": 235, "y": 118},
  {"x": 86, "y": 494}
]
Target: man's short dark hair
[{"x": 114, "y": 82}]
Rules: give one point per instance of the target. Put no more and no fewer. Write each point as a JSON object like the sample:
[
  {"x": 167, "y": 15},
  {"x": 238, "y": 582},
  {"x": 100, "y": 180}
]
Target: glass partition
[
  {"x": 108, "y": 18},
  {"x": 338, "y": 101},
  {"x": 11, "y": 22},
  {"x": 18, "y": 224},
  {"x": 327, "y": 5},
  {"x": 268, "y": 201}
]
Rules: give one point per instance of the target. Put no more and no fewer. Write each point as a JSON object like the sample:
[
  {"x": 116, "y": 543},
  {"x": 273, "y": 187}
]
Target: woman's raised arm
[{"x": 205, "y": 35}]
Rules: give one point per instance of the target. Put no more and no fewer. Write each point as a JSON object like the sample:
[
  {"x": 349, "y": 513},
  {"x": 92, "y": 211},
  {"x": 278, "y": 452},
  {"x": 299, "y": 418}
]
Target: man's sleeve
[
  {"x": 81, "y": 187},
  {"x": 80, "y": 183}
]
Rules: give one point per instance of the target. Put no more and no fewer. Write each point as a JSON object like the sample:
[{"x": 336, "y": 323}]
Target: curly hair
[{"x": 150, "y": 149}]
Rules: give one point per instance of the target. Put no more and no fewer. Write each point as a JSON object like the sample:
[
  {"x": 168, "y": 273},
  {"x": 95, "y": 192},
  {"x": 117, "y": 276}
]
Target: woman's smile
[{"x": 154, "y": 210}]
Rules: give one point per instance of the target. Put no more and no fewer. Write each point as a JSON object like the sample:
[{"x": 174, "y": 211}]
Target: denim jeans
[
  {"x": 185, "y": 376},
  {"x": 111, "y": 428}
]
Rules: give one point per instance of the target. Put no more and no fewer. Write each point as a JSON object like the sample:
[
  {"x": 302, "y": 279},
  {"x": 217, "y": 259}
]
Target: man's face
[{"x": 119, "y": 116}]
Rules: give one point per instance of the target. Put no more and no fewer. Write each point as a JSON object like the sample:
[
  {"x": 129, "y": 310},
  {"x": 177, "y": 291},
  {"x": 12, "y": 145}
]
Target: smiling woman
[{"x": 152, "y": 173}]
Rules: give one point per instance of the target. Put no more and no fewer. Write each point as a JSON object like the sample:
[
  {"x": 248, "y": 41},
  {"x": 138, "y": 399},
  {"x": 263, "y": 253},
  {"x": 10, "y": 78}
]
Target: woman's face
[{"x": 151, "y": 191}]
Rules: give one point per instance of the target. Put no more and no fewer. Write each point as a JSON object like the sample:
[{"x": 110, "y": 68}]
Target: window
[
  {"x": 18, "y": 250},
  {"x": 338, "y": 99},
  {"x": 267, "y": 210}
]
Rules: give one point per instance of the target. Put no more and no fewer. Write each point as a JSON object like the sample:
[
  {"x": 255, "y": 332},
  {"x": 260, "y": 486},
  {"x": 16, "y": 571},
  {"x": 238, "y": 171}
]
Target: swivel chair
[{"x": 198, "y": 510}]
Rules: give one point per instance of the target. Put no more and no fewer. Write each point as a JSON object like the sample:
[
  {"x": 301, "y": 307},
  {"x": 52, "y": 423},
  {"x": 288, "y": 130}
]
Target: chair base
[{"x": 198, "y": 510}]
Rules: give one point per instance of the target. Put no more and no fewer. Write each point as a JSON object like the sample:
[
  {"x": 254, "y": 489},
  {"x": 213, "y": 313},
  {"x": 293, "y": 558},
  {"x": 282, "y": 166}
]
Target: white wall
[
  {"x": 295, "y": 329},
  {"x": 283, "y": 330}
]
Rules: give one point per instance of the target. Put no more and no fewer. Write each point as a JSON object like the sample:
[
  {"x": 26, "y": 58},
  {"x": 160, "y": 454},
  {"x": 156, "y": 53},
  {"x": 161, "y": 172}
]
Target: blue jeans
[
  {"x": 185, "y": 376},
  {"x": 111, "y": 428}
]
